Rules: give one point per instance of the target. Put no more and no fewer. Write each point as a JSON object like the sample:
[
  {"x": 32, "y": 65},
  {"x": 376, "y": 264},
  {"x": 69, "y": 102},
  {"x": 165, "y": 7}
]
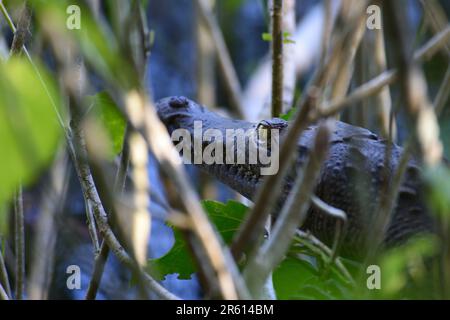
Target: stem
[
  {"x": 277, "y": 57},
  {"x": 4, "y": 278},
  {"x": 99, "y": 266},
  {"x": 291, "y": 216},
  {"x": 19, "y": 243},
  {"x": 227, "y": 69}
]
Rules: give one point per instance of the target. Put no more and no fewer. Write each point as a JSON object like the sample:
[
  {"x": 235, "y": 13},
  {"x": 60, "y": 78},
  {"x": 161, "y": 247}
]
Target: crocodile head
[{"x": 248, "y": 150}]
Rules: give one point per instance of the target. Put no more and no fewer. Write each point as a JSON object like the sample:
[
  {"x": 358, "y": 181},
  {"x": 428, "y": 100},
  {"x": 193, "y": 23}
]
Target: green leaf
[
  {"x": 288, "y": 116},
  {"x": 298, "y": 278},
  {"x": 225, "y": 217},
  {"x": 29, "y": 131},
  {"x": 111, "y": 119},
  {"x": 437, "y": 182},
  {"x": 407, "y": 271},
  {"x": 267, "y": 37},
  {"x": 287, "y": 38},
  {"x": 99, "y": 46}
]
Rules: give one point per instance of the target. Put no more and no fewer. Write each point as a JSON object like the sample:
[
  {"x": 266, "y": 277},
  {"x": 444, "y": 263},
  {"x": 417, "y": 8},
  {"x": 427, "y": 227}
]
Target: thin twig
[
  {"x": 206, "y": 60},
  {"x": 291, "y": 216},
  {"x": 90, "y": 190},
  {"x": 324, "y": 249},
  {"x": 119, "y": 185},
  {"x": 19, "y": 243},
  {"x": 141, "y": 197},
  {"x": 386, "y": 206},
  {"x": 22, "y": 30},
  {"x": 252, "y": 227},
  {"x": 3, "y": 295},
  {"x": 4, "y": 278},
  {"x": 53, "y": 199},
  {"x": 277, "y": 57},
  {"x": 388, "y": 77},
  {"x": 344, "y": 71},
  {"x": 141, "y": 113},
  {"x": 435, "y": 16},
  {"x": 422, "y": 120},
  {"x": 383, "y": 99},
  {"x": 442, "y": 96},
  {"x": 227, "y": 69},
  {"x": 341, "y": 222},
  {"x": 19, "y": 231},
  {"x": 99, "y": 266}
]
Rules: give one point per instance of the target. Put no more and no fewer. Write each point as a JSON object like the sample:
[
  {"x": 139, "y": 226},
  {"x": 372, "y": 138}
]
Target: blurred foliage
[
  {"x": 302, "y": 278},
  {"x": 407, "y": 272},
  {"x": 100, "y": 47},
  {"x": 437, "y": 181},
  {"x": 225, "y": 217},
  {"x": 29, "y": 131},
  {"x": 112, "y": 120}
]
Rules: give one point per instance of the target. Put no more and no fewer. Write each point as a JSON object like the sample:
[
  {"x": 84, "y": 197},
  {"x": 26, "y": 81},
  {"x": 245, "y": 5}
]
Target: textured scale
[{"x": 350, "y": 179}]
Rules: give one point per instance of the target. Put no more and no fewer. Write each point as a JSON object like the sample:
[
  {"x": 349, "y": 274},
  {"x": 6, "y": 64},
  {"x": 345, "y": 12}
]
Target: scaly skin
[{"x": 350, "y": 178}]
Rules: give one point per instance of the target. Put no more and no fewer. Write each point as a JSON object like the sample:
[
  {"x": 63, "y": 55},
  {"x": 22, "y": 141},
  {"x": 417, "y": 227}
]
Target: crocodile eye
[
  {"x": 264, "y": 128},
  {"x": 263, "y": 131}
]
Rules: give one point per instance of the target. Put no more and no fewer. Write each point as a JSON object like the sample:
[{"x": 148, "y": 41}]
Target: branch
[
  {"x": 312, "y": 242},
  {"x": 231, "y": 79},
  {"x": 53, "y": 200},
  {"x": 291, "y": 216},
  {"x": 4, "y": 278},
  {"x": 19, "y": 243},
  {"x": 277, "y": 57},
  {"x": 99, "y": 266},
  {"x": 341, "y": 222},
  {"x": 253, "y": 225},
  {"x": 20, "y": 34},
  {"x": 3, "y": 295},
  {"x": 442, "y": 96},
  {"x": 266, "y": 198},
  {"x": 142, "y": 115},
  {"x": 375, "y": 85},
  {"x": 119, "y": 185}
]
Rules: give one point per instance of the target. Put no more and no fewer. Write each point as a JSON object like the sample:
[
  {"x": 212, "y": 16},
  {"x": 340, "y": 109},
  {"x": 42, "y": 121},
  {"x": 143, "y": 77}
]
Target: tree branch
[
  {"x": 277, "y": 57},
  {"x": 291, "y": 216}
]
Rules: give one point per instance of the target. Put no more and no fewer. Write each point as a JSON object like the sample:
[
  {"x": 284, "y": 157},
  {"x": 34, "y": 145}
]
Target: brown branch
[
  {"x": 388, "y": 77},
  {"x": 265, "y": 200},
  {"x": 142, "y": 115},
  {"x": 20, "y": 34},
  {"x": 44, "y": 239},
  {"x": 277, "y": 57},
  {"x": 291, "y": 216},
  {"x": 253, "y": 225},
  {"x": 442, "y": 96},
  {"x": 99, "y": 266},
  {"x": 119, "y": 185},
  {"x": 322, "y": 249},
  {"x": 227, "y": 69},
  {"x": 19, "y": 244}
]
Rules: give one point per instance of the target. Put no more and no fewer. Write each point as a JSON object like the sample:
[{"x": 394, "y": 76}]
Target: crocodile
[{"x": 351, "y": 177}]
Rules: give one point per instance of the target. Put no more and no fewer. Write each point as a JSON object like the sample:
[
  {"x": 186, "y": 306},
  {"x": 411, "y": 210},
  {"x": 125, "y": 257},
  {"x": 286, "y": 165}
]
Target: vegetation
[{"x": 74, "y": 95}]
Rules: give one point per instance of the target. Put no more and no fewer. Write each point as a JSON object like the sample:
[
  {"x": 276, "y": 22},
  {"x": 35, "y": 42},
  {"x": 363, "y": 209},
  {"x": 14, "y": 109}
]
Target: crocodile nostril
[{"x": 179, "y": 102}]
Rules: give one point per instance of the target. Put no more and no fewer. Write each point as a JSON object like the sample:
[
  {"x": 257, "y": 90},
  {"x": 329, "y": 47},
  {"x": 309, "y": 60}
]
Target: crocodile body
[{"x": 350, "y": 179}]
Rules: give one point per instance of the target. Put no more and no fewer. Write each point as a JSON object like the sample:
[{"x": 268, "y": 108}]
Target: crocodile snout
[
  {"x": 174, "y": 112},
  {"x": 178, "y": 102}
]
